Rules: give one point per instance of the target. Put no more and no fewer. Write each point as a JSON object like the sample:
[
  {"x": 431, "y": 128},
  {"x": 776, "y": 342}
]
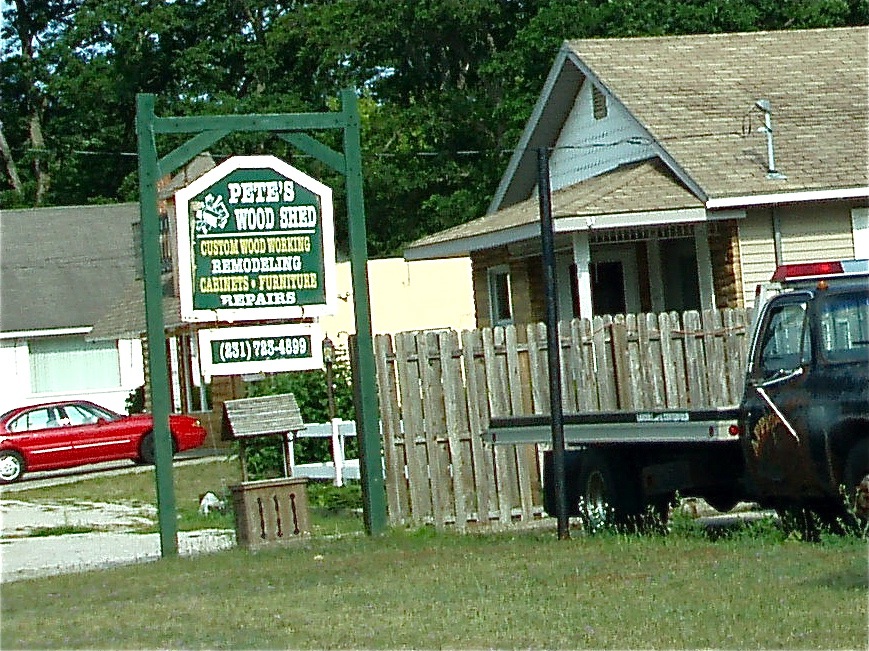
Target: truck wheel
[
  {"x": 608, "y": 492},
  {"x": 857, "y": 484}
]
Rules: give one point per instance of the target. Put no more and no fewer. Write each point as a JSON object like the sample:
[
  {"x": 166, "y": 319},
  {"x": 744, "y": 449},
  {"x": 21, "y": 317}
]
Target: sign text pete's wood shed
[{"x": 256, "y": 241}]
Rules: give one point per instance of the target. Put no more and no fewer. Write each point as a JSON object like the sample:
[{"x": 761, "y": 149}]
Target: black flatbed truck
[{"x": 797, "y": 442}]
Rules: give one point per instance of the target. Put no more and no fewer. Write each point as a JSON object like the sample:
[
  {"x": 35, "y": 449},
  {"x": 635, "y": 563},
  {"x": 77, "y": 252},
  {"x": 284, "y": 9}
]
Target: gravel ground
[
  {"x": 23, "y": 555},
  {"x": 25, "y": 558}
]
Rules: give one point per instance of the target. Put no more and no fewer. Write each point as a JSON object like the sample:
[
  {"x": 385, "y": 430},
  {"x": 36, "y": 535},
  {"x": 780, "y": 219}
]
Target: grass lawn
[
  {"x": 751, "y": 588},
  {"x": 432, "y": 590}
]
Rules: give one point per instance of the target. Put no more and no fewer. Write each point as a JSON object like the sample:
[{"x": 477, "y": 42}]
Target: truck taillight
[{"x": 733, "y": 430}]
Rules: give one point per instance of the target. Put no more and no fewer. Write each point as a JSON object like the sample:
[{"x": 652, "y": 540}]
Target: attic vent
[{"x": 598, "y": 102}]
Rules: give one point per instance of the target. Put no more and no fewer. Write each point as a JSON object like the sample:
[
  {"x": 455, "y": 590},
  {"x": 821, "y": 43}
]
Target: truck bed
[{"x": 582, "y": 428}]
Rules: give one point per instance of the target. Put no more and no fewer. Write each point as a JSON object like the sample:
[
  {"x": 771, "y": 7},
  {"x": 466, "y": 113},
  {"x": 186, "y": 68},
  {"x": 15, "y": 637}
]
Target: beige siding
[
  {"x": 416, "y": 295},
  {"x": 816, "y": 232},
  {"x": 756, "y": 251},
  {"x": 808, "y": 232}
]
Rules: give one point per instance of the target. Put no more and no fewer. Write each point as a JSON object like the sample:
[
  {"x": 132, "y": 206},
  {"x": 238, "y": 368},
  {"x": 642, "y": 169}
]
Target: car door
[
  {"x": 40, "y": 434},
  {"x": 97, "y": 435},
  {"x": 777, "y": 400}
]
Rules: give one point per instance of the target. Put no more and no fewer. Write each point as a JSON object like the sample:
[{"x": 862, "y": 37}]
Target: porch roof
[{"x": 637, "y": 188}]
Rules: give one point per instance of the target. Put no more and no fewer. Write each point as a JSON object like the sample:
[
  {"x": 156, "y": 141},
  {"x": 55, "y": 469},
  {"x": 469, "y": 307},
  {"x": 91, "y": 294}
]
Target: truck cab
[{"x": 804, "y": 416}]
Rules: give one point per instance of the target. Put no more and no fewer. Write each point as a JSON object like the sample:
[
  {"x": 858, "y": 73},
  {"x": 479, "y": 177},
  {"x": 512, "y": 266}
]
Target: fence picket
[
  {"x": 482, "y": 465},
  {"x": 524, "y": 462},
  {"x": 414, "y": 428},
  {"x": 455, "y": 408},
  {"x": 496, "y": 378},
  {"x": 393, "y": 441}
]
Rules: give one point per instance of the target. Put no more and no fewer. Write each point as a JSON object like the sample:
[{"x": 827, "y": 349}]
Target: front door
[
  {"x": 40, "y": 433},
  {"x": 777, "y": 401},
  {"x": 615, "y": 287}
]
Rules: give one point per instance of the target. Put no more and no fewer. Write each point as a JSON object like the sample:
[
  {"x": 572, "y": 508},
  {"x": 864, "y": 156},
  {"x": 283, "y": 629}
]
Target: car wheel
[
  {"x": 11, "y": 467},
  {"x": 147, "y": 452},
  {"x": 146, "y": 449}
]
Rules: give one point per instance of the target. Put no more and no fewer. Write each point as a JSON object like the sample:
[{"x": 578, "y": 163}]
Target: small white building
[{"x": 61, "y": 269}]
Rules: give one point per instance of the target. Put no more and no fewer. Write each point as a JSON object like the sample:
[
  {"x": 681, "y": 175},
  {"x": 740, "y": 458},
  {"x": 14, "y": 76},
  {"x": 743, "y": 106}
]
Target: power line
[{"x": 633, "y": 140}]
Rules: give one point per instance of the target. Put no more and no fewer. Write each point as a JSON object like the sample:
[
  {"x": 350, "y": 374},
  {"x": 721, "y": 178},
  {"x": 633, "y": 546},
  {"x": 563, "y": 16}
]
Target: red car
[{"x": 65, "y": 434}]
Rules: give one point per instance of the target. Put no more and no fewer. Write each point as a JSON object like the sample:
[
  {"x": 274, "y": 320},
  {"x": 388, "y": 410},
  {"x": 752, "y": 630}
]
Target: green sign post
[{"x": 291, "y": 127}]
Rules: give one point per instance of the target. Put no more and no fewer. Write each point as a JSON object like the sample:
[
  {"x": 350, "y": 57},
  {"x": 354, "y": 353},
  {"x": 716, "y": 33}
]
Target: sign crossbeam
[
  {"x": 274, "y": 122},
  {"x": 318, "y": 150},
  {"x": 182, "y": 154}
]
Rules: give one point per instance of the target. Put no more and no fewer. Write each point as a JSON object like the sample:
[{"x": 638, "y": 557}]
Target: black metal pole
[{"x": 547, "y": 239}]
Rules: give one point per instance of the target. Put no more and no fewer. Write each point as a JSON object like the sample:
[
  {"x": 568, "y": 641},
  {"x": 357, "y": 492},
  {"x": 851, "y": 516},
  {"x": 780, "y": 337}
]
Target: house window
[
  {"x": 500, "y": 302},
  {"x": 598, "y": 101},
  {"x": 64, "y": 364}
]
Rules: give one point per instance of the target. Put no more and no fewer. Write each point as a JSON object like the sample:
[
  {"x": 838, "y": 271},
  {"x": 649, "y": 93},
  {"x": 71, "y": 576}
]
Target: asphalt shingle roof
[
  {"x": 63, "y": 267},
  {"x": 696, "y": 96}
]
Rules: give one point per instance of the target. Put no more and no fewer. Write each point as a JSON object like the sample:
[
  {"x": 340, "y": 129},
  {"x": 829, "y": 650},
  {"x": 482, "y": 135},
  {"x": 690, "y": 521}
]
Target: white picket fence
[{"x": 340, "y": 467}]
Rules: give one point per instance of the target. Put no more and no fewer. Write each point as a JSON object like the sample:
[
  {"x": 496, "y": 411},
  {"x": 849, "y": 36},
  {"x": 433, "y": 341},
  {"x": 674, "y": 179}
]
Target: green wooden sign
[{"x": 255, "y": 241}]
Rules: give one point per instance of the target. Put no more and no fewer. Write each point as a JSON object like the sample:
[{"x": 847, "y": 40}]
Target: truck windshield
[{"x": 844, "y": 325}]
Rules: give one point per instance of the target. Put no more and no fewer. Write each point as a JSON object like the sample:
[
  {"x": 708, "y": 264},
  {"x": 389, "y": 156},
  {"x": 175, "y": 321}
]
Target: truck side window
[
  {"x": 786, "y": 341},
  {"x": 844, "y": 324}
]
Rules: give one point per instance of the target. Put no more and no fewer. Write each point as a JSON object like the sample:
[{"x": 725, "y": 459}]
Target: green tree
[{"x": 446, "y": 86}]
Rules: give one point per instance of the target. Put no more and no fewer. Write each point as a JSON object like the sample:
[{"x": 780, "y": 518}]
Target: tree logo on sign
[{"x": 212, "y": 214}]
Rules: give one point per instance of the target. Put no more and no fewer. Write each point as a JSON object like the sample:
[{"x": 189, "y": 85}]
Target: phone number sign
[
  {"x": 256, "y": 241},
  {"x": 260, "y": 349}
]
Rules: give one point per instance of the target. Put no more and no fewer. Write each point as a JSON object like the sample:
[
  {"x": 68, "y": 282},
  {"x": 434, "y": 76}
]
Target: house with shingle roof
[
  {"x": 683, "y": 170},
  {"x": 61, "y": 268}
]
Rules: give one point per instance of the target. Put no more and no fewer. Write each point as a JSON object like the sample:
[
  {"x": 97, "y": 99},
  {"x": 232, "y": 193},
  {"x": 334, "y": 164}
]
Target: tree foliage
[{"x": 446, "y": 86}]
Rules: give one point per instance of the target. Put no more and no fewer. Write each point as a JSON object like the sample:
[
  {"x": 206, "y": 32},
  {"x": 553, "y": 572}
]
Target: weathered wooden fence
[{"x": 438, "y": 390}]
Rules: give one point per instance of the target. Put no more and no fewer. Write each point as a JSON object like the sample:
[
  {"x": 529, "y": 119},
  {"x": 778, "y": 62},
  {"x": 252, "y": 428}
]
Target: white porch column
[
  {"x": 860, "y": 231},
  {"x": 704, "y": 267},
  {"x": 656, "y": 276},
  {"x": 582, "y": 260},
  {"x": 174, "y": 374}
]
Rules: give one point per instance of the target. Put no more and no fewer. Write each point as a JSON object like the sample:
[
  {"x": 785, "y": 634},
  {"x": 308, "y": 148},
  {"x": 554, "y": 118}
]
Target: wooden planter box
[{"x": 272, "y": 511}]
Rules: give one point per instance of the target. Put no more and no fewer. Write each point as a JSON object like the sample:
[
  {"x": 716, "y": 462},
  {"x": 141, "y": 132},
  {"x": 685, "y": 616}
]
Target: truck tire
[
  {"x": 608, "y": 490},
  {"x": 856, "y": 478}
]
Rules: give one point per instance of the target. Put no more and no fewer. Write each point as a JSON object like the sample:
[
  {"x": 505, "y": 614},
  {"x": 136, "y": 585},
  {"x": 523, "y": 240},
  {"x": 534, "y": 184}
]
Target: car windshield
[{"x": 59, "y": 415}]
